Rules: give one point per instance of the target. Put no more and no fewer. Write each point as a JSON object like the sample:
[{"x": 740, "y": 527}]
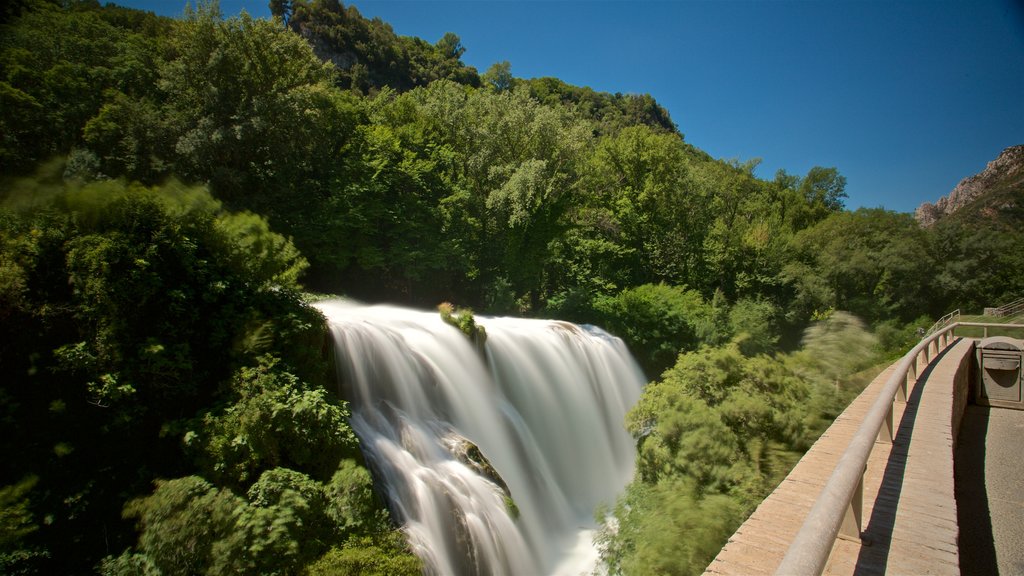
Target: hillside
[
  {"x": 370, "y": 56},
  {"x": 993, "y": 196},
  {"x": 169, "y": 189}
]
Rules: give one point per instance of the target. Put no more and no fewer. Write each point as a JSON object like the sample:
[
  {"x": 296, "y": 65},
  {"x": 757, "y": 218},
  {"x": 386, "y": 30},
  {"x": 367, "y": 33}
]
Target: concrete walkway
[
  {"x": 990, "y": 491},
  {"x": 910, "y": 510}
]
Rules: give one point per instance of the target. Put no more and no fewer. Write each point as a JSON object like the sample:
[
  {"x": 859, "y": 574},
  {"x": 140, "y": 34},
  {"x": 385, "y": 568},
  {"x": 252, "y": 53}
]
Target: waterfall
[{"x": 493, "y": 460}]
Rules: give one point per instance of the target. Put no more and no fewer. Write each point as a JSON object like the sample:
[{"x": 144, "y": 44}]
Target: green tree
[
  {"x": 451, "y": 46},
  {"x": 822, "y": 191},
  {"x": 658, "y": 321},
  {"x": 253, "y": 111},
  {"x": 277, "y": 420},
  {"x": 716, "y": 434},
  {"x": 499, "y": 76},
  {"x": 370, "y": 56},
  {"x": 749, "y": 242},
  {"x": 17, "y": 555},
  {"x": 755, "y": 323},
  {"x": 977, "y": 265},
  {"x": 182, "y": 522},
  {"x": 874, "y": 263},
  {"x": 383, "y": 555},
  {"x": 242, "y": 92},
  {"x": 129, "y": 138},
  {"x": 485, "y": 179},
  {"x": 281, "y": 9},
  {"x": 668, "y": 528},
  {"x": 125, "y": 311},
  {"x": 288, "y": 522},
  {"x": 56, "y": 64},
  {"x": 609, "y": 113},
  {"x": 660, "y": 212}
]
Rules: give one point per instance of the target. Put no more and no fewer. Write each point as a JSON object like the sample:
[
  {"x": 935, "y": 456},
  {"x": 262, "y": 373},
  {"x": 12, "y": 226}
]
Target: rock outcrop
[
  {"x": 469, "y": 454},
  {"x": 1008, "y": 168}
]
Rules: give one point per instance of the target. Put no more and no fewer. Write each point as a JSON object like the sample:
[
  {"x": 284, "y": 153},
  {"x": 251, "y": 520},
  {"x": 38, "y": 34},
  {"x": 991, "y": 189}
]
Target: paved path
[
  {"x": 990, "y": 491},
  {"x": 913, "y": 527},
  {"x": 910, "y": 508}
]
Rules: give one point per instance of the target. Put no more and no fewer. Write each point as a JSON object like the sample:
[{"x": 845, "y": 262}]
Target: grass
[{"x": 979, "y": 332}]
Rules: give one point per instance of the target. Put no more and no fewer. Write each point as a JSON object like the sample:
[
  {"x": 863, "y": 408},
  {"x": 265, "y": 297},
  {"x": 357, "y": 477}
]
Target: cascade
[{"x": 493, "y": 460}]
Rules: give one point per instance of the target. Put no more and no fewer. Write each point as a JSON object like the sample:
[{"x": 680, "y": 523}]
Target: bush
[
  {"x": 755, "y": 325},
  {"x": 716, "y": 433},
  {"x": 383, "y": 555},
  {"x": 125, "y": 311},
  {"x": 658, "y": 321},
  {"x": 277, "y": 420}
]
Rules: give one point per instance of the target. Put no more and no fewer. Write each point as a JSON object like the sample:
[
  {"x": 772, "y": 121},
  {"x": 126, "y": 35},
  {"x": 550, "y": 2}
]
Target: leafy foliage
[
  {"x": 659, "y": 321},
  {"x": 276, "y": 420},
  {"x": 610, "y": 112},
  {"x": 368, "y": 53},
  {"x": 381, "y": 556},
  {"x": 56, "y": 65},
  {"x": 715, "y": 434},
  {"x": 155, "y": 304},
  {"x": 16, "y": 524},
  {"x": 871, "y": 262},
  {"x": 463, "y": 320},
  {"x": 168, "y": 183},
  {"x": 666, "y": 528}
]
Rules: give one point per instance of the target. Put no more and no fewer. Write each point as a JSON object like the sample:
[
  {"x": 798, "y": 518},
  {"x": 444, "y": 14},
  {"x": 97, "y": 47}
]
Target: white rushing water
[{"x": 545, "y": 408}]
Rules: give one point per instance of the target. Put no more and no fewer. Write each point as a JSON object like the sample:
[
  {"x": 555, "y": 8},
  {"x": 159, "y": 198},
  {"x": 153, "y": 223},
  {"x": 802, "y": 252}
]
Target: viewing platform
[{"x": 930, "y": 486}]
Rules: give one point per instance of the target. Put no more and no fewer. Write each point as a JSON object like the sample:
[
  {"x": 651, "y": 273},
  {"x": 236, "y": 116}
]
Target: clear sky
[{"x": 905, "y": 98}]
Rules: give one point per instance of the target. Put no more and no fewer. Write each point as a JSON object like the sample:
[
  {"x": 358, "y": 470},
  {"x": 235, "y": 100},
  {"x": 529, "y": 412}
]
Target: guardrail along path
[{"x": 908, "y": 521}]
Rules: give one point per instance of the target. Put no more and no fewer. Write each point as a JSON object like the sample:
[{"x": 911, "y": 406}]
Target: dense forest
[{"x": 174, "y": 192}]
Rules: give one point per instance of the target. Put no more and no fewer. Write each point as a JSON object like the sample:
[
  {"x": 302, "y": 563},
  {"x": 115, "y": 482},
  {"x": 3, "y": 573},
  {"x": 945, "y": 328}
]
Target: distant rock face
[
  {"x": 1009, "y": 165},
  {"x": 322, "y": 48}
]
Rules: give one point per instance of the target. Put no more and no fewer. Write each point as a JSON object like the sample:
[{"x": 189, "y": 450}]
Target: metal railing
[
  {"x": 1012, "y": 309},
  {"x": 837, "y": 511},
  {"x": 944, "y": 321},
  {"x": 986, "y": 325}
]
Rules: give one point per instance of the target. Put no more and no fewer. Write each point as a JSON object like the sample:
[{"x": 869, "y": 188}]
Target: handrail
[
  {"x": 987, "y": 325},
  {"x": 1010, "y": 309},
  {"x": 944, "y": 321},
  {"x": 809, "y": 551}
]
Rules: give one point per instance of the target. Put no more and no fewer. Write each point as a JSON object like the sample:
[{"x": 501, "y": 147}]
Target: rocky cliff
[{"x": 1006, "y": 171}]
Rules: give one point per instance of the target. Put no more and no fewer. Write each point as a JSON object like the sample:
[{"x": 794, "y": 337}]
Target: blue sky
[{"x": 905, "y": 98}]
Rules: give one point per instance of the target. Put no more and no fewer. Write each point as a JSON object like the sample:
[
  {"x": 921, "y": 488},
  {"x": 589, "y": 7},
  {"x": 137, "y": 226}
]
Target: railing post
[
  {"x": 885, "y": 433},
  {"x": 850, "y": 529},
  {"x": 908, "y": 380}
]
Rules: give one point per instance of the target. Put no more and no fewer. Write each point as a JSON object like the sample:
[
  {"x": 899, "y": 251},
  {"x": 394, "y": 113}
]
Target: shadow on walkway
[
  {"x": 873, "y": 557},
  {"x": 977, "y": 545}
]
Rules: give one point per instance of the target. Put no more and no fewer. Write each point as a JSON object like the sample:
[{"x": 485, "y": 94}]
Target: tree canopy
[{"x": 171, "y": 187}]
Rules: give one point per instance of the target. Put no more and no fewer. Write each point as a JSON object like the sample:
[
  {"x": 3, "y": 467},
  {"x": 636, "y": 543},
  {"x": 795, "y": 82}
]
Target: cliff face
[{"x": 1005, "y": 172}]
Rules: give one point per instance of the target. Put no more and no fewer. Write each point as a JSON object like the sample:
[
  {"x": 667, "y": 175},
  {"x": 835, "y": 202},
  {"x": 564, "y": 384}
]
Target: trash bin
[{"x": 999, "y": 372}]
